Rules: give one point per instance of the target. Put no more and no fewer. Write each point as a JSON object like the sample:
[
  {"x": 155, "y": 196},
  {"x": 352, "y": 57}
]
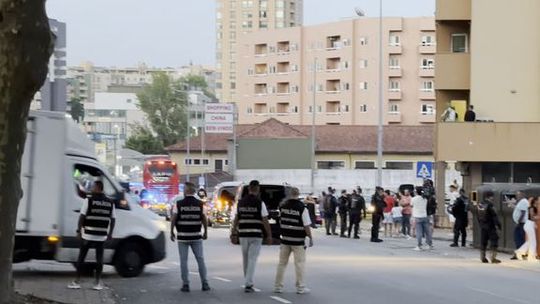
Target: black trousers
[
  {"x": 343, "y": 222},
  {"x": 375, "y": 225},
  {"x": 85, "y": 246},
  {"x": 330, "y": 223},
  {"x": 354, "y": 221},
  {"x": 460, "y": 228},
  {"x": 491, "y": 236}
]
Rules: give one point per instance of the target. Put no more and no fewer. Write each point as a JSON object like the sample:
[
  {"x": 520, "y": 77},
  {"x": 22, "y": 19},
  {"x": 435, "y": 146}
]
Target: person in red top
[{"x": 388, "y": 221}]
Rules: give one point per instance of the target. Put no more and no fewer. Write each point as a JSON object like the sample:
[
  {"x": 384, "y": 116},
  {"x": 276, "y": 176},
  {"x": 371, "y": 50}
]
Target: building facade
[
  {"x": 281, "y": 72},
  {"x": 234, "y": 18},
  {"x": 500, "y": 82},
  {"x": 86, "y": 80},
  {"x": 52, "y": 96}
]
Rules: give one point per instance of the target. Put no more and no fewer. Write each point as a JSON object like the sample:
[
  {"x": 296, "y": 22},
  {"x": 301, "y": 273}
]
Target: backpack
[
  {"x": 431, "y": 206},
  {"x": 327, "y": 204}
]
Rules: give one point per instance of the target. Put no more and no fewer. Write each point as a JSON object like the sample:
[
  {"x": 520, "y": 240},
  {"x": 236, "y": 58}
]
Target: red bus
[{"x": 161, "y": 179}]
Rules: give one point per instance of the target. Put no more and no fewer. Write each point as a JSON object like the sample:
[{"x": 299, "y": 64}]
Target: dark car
[{"x": 272, "y": 195}]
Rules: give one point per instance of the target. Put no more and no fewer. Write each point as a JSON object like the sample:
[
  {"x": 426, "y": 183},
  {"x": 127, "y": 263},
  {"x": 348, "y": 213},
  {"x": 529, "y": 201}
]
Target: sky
[{"x": 172, "y": 33}]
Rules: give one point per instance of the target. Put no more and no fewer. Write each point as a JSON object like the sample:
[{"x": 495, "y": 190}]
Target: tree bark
[{"x": 25, "y": 48}]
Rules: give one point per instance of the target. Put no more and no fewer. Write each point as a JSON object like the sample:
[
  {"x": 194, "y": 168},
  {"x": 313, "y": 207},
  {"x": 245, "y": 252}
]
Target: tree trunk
[{"x": 25, "y": 48}]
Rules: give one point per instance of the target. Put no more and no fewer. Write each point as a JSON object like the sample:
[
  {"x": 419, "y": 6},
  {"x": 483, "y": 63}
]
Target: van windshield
[{"x": 271, "y": 195}]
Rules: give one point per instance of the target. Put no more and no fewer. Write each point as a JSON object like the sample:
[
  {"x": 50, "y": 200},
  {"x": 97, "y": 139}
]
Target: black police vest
[
  {"x": 249, "y": 217},
  {"x": 292, "y": 226},
  {"x": 98, "y": 215},
  {"x": 189, "y": 219}
]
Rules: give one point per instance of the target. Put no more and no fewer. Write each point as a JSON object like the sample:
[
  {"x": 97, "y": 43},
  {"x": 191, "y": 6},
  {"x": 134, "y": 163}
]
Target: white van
[{"x": 58, "y": 168}]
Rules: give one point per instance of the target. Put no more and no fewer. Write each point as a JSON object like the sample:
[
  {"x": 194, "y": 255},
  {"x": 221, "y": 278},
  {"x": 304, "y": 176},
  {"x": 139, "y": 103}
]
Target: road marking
[
  {"x": 282, "y": 300},
  {"x": 193, "y": 272},
  {"x": 499, "y": 296},
  {"x": 159, "y": 267},
  {"x": 222, "y": 279}
]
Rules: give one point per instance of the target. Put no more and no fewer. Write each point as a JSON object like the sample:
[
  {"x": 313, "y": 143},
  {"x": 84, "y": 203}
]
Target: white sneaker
[
  {"x": 409, "y": 237},
  {"x": 429, "y": 247},
  {"x": 278, "y": 290},
  {"x": 99, "y": 286},
  {"x": 303, "y": 291},
  {"x": 519, "y": 255},
  {"x": 417, "y": 248},
  {"x": 74, "y": 285}
]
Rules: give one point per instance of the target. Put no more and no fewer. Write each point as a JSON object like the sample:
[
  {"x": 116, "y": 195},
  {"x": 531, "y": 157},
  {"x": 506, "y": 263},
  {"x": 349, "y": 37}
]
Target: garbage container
[{"x": 504, "y": 202}]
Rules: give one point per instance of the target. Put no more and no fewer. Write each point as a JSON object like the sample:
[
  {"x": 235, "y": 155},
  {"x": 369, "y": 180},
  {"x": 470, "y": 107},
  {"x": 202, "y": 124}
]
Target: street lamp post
[
  {"x": 188, "y": 137},
  {"x": 313, "y": 130},
  {"x": 380, "y": 129}
]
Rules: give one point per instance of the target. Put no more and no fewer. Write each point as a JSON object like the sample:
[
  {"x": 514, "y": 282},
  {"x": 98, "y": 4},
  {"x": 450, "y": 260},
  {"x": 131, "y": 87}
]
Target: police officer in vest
[
  {"x": 250, "y": 220},
  {"x": 295, "y": 226},
  {"x": 188, "y": 217},
  {"x": 96, "y": 225}
]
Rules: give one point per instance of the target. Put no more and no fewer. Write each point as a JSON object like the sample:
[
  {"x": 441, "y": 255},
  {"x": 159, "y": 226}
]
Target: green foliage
[
  {"x": 165, "y": 103},
  {"x": 77, "y": 109},
  {"x": 144, "y": 141}
]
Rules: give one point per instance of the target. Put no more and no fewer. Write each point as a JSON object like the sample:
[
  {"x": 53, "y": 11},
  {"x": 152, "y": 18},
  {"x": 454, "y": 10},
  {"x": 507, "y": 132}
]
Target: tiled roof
[{"x": 330, "y": 138}]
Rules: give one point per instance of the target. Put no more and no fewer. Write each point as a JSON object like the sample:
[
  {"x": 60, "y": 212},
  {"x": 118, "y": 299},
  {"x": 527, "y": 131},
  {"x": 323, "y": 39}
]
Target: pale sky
[{"x": 174, "y": 32}]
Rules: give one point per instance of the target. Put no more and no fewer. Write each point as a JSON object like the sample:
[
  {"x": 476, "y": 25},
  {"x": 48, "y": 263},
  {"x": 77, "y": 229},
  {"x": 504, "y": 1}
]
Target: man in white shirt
[
  {"x": 520, "y": 216},
  {"x": 419, "y": 213},
  {"x": 452, "y": 196}
]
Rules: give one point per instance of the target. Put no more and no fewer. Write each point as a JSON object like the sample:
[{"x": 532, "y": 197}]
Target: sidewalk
[{"x": 48, "y": 280}]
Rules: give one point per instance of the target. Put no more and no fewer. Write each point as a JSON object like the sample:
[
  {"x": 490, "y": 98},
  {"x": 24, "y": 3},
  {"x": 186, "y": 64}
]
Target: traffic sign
[
  {"x": 219, "y": 118},
  {"x": 424, "y": 169}
]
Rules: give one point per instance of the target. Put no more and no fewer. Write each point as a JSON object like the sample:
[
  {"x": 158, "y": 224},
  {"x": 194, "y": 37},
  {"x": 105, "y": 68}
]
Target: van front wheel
[{"x": 129, "y": 261}]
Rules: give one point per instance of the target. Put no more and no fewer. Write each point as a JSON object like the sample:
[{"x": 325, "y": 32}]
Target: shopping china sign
[{"x": 219, "y": 118}]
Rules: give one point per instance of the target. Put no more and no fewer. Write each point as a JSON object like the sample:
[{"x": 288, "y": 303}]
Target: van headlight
[{"x": 161, "y": 225}]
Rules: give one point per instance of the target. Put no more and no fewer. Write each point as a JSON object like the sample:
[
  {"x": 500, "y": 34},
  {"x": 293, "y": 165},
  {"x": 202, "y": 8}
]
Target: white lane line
[
  {"x": 193, "y": 272},
  {"x": 222, "y": 279},
  {"x": 158, "y": 267},
  {"x": 281, "y": 300},
  {"x": 499, "y": 296}
]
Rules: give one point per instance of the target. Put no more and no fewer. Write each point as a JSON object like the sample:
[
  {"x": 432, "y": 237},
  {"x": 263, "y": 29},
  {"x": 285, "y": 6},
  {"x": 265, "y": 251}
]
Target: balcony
[
  {"x": 333, "y": 86},
  {"x": 283, "y": 88},
  {"x": 426, "y": 117},
  {"x": 427, "y": 94},
  {"x": 261, "y": 69},
  {"x": 333, "y": 64},
  {"x": 394, "y": 117},
  {"x": 395, "y": 72},
  {"x": 453, "y": 10},
  {"x": 427, "y": 49},
  {"x": 261, "y": 89},
  {"x": 426, "y": 71},
  {"x": 487, "y": 142},
  {"x": 453, "y": 71},
  {"x": 283, "y": 48},
  {"x": 333, "y": 43},
  {"x": 283, "y": 68},
  {"x": 261, "y": 50},
  {"x": 394, "y": 95},
  {"x": 395, "y": 49}
]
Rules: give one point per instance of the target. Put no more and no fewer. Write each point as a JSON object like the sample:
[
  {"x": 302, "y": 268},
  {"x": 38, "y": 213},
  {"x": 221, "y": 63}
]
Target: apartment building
[
  {"x": 234, "y": 18},
  {"x": 86, "y": 80},
  {"x": 499, "y": 79},
  {"x": 282, "y": 72}
]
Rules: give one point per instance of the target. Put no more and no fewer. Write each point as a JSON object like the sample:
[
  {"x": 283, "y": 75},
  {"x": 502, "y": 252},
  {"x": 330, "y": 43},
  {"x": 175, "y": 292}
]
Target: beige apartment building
[
  {"x": 488, "y": 55},
  {"x": 234, "y": 18},
  {"x": 277, "y": 73}
]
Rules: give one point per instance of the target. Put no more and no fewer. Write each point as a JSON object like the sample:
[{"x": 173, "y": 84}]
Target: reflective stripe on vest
[
  {"x": 292, "y": 227},
  {"x": 189, "y": 219},
  {"x": 249, "y": 217}
]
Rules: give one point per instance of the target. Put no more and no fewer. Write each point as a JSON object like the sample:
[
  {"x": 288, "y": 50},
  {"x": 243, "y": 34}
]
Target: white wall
[{"x": 339, "y": 179}]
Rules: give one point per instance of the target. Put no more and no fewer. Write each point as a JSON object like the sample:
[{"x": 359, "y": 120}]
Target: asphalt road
[
  {"x": 338, "y": 271},
  {"x": 341, "y": 271}
]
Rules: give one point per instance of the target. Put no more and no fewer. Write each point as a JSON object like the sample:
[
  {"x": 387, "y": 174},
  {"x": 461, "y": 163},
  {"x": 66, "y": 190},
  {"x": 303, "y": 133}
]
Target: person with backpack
[
  {"x": 330, "y": 208},
  {"x": 343, "y": 210},
  {"x": 460, "y": 210},
  {"x": 378, "y": 203}
]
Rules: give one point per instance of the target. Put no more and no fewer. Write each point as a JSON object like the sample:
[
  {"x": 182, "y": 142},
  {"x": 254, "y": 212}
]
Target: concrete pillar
[{"x": 440, "y": 189}]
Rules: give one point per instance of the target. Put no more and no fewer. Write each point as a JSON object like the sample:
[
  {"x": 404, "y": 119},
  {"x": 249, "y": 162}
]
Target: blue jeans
[
  {"x": 251, "y": 247},
  {"x": 197, "y": 248},
  {"x": 519, "y": 235},
  {"x": 423, "y": 227}
]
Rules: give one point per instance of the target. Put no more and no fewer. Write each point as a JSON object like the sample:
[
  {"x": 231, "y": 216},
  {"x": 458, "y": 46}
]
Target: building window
[
  {"x": 428, "y": 109},
  {"x": 249, "y": 110},
  {"x": 398, "y": 165},
  {"x": 330, "y": 164},
  {"x": 459, "y": 43},
  {"x": 363, "y": 85},
  {"x": 364, "y": 165},
  {"x": 394, "y": 40},
  {"x": 428, "y": 41},
  {"x": 428, "y": 63},
  {"x": 294, "y": 109},
  {"x": 363, "y": 41},
  {"x": 363, "y": 63},
  {"x": 427, "y": 86},
  {"x": 363, "y": 108},
  {"x": 394, "y": 62},
  {"x": 393, "y": 108},
  {"x": 263, "y": 24},
  {"x": 394, "y": 86}
]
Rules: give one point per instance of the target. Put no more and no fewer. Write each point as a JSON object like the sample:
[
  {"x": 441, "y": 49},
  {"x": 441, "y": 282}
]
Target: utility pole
[
  {"x": 313, "y": 130},
  {"x": 380, "y": 129}
]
